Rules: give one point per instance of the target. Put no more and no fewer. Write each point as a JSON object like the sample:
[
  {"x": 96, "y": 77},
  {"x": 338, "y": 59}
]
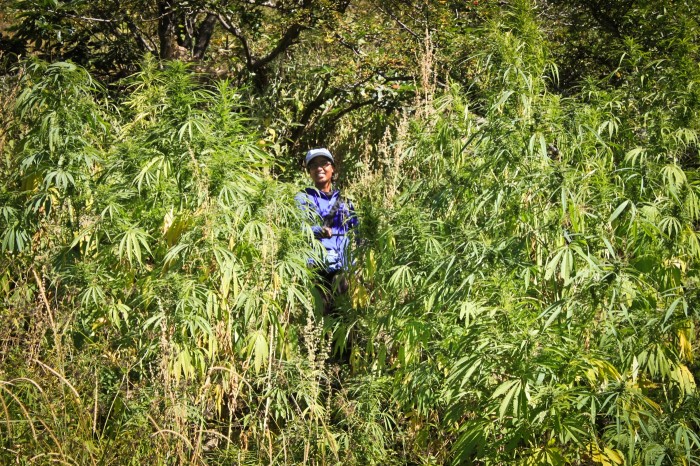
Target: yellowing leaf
[
  {"x": 607, "y": 456},
  {"x": 685, "y": 347},
  {"x": 682, "y": 375},
  {"x": 360, "y": 297}
]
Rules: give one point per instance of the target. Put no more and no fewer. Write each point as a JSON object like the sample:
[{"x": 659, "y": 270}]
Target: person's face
[{"x": 321, "y": 170}]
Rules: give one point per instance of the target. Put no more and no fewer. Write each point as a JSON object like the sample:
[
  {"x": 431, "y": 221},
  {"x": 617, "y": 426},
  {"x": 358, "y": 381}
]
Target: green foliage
[
  {"x": 163, "y": 230},
  {"x": 537, "y": 270},
  {"x": 525, "y": 290}
]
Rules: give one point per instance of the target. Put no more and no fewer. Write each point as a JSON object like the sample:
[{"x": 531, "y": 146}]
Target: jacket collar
[{"x": 316, "y": 193}]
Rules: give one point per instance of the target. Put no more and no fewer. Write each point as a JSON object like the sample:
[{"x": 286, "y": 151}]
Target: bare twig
[
  {"x": 61, "y": 377},
  {"x": 140, "y": 36},
  {"x": 227, "y": 24},
  {"x": 84, "y": 18},
  {"x": 42, "y": 292},
  {"x": 404, "y": 26}
]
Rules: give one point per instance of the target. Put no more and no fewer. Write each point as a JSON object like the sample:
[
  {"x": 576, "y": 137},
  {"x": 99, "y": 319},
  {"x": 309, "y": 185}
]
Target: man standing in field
[{"x": 331, "y": 218}]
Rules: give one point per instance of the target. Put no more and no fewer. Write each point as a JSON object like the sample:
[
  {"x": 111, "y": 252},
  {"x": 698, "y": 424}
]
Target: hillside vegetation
[{"x": 525, "y": 284}]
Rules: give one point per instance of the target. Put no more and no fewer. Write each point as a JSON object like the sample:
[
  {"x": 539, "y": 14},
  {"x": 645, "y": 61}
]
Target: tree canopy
[{"x": 524, "y": 287}]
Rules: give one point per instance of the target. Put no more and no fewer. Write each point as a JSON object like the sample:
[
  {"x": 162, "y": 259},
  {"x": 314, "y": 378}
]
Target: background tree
[
  {"x": 309, "y": 63},
  {"x": 526, "y": 287}
]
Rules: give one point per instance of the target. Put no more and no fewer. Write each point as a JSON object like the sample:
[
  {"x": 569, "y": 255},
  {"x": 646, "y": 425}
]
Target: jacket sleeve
[{"x": 309, "y": 212}]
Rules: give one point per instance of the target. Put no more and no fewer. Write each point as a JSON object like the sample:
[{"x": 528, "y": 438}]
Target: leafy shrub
[{"x": 525, "y": 291}]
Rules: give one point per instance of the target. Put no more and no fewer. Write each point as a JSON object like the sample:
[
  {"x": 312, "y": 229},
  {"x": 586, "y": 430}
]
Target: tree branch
[
  {"x": 309, "y": 110},
  {"x": 227, "y": 24},
  {"x": 406, "y": 28},
  {"x": 268, "y": 4},
  {"x": 397, "y": 78},
  {"x": 252, "y": 64},
  {"x": 139, "y": 37},
  {"x": 350, "y": 108},
  {"x": 287, "y": 40}
]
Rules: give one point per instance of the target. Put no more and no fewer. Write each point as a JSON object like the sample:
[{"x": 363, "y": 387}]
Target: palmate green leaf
[
  {"x": 155, "y": 170},
  {"x": 294, "y": 293},
  {"x": 657, "y": 359},
  {"x": 674, "y": 177},
  {"x": 636, "y": 156},
  {"x": 472, "y": 438},
  {"x": 611, "y": 125},
  {"x": 567, "y": 265},
  {"x": 60, "y": 178},
  {"x": 153, "y": 322},
  {"x": 539, "y": 139},
  {"x": 133, "y": 242},
  {"x": 9, "y": 214},
  {"x": 195, "y": 124},
  {"x": 118, "y": 313},
  {"x": 686, "y": 137},
  {"x": 197, "y": 330},
  {"x": 176, "y": 254},
  {"x": 512, "y": 390},
  {"x": 258, "y": 349},
  {"x": 597, "y": 135},
  {"x": 229, "y": 279},
  {"x": 93, "y": 296},
  {"x": 14, "y": 239},
  {"x": 498, "y": 106},
  {"x": 256, "y": 231},
  {"x": 686, "y": 436},
  {"x": 620, "y": 208},
  {"x": 552, "y": 265},
  {"x": 599, "y": 371},
  {"x": 471, "y": 312},
  {"x": 401, "y": 278},
  {"x": 187, "y": 362},
  {"x": 685, "y": 380},
  {"x": 691, "y": 241},
  {"x": 586, "y": 256},
  {"x": 463, "y": 369},
  {"x": 680, "y": 301},
  {"x": 606, "y": 457},
  {"x": 691, "y": 204},
  {"x": 670, "y": 226},
  {"x": 554, "y": 310},
  {"x": 414, "y": 335}
]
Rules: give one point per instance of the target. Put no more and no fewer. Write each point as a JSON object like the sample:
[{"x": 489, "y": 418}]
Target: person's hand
[{"x": 326, "y": 232}]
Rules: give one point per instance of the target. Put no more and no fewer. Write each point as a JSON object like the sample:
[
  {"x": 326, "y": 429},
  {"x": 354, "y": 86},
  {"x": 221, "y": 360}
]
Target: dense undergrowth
[{"x": 525, "y": 291}]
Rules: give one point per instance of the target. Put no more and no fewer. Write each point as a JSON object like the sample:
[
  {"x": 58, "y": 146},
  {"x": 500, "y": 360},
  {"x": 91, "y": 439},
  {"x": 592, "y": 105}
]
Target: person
[{"x": 331, "y": 217}]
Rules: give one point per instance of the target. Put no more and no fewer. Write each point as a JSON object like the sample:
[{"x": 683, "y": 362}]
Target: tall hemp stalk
[
  {"x": 174, "y": 265},
  {"x": 525, "y": 287},
  {"x": 532, "y": 289}
]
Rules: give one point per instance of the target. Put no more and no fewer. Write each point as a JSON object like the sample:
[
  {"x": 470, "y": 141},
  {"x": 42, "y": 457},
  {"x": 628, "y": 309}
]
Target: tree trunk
[
  {"x": 166, "y": 29},
  {"x": 204, "y": 33}
]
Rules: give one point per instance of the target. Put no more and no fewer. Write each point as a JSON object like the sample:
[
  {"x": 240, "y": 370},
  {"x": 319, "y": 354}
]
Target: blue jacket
[{"x": 316, "y": 205}]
